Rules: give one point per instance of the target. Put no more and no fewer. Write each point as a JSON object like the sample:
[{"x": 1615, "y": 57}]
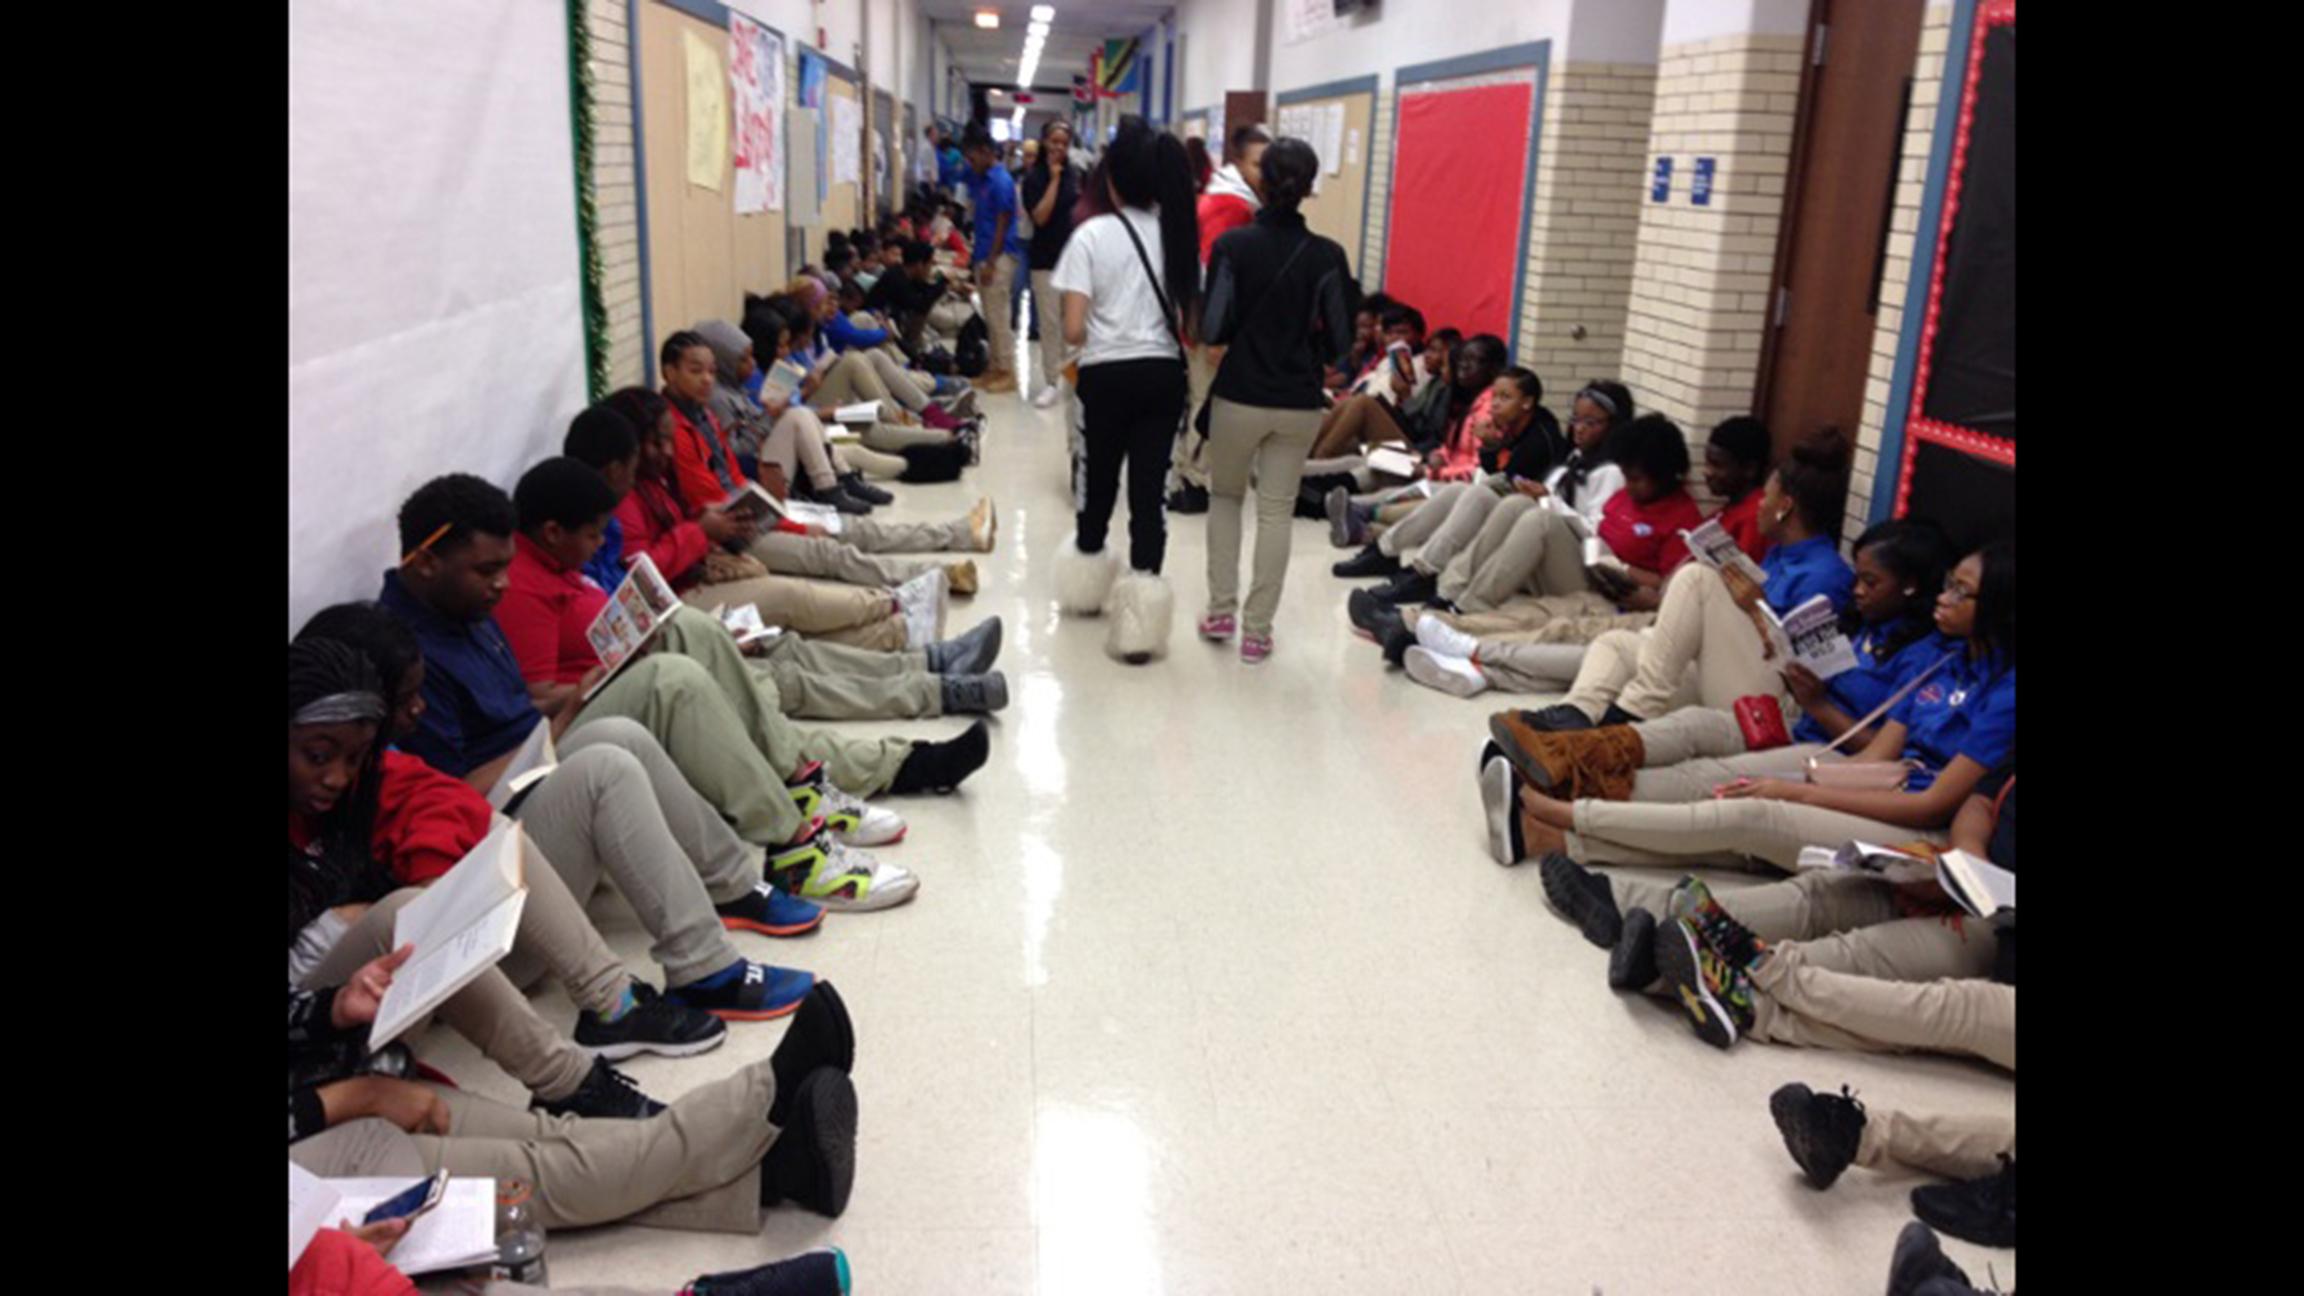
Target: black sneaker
[
  {"x": 1397, "y": 638},
  {"x": 1559, "y": 718},
  {"x": 1982, "y": 1211},
  {"x": 843, "y": 502},
  {"x": 1821, "y": 1131},
  {"x": 1410, "y": 586},
  {"x": 812, "y": 1163},
  {"x": 821, "y": 1035},
  {"x": 1920, "y": 1264},
  {"x": 1583, "y": 897},
  {"x": 940, "y": 767},
  {"x": 822, "y": 1272},
  {"x": 1188, "y": 499},
  {"x": 1366, "y": 612},
  {"x": 655, "y": 1025},
  {"x": 1616, "y": 715},
  {"x": 1370, "y": 561},
  {"x": 1632, "y": 964},
  {"x": 855, "y": 485},
  {"x": 606, "y": 1094}
]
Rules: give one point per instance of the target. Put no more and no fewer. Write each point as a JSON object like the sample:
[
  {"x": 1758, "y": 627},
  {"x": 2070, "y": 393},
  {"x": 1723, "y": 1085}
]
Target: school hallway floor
[{"x": 1211, "y": 986}]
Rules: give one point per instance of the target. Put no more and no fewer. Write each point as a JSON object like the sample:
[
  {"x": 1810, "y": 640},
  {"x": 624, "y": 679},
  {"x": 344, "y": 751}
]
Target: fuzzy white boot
[
  {"x": 1083, "y": 581},
  {"x": 1143, "y": 611}
]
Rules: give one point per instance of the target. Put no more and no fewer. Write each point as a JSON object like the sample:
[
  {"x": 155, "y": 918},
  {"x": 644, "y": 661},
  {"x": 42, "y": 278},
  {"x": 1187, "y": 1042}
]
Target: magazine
[
  {"x": 534, "y": 759},
  {"x": 783, "y": 379},
  {"x": 635, "y": 612},
  {"x": 1711, "y": 545},
  {"x": 1975, "y": 884},
  {"x": 461, "y": 926}
]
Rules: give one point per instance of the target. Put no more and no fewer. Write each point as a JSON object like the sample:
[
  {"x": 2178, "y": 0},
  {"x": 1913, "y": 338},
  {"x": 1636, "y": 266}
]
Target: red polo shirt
[
  {"x": 1742, "y": 522},
  {"x": 1648, "y": 535},
  {"x": 545, "y": 613}
]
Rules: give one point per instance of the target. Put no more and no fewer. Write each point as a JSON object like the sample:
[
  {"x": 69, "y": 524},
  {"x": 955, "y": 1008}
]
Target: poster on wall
[
  {"x": 806, "y": 191},
  {"x": 756, "y": 84},
  {"x": 846, "y": 144},
  {"x": 811, "y": 79},
  {"x": 1301, "y": 20},
  {"x": 707, "y": 112}
]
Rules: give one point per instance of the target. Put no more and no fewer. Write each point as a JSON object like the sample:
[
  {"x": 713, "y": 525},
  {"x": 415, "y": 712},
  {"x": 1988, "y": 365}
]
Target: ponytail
[{"x": 1150, "y": 167}]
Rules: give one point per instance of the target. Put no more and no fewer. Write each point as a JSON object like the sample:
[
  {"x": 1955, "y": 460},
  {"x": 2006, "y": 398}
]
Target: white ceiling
[{"x": 1078, "y": 28}]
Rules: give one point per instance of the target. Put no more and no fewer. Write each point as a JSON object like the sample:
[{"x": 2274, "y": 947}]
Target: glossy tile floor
[{"x": 1211, "y": 987}]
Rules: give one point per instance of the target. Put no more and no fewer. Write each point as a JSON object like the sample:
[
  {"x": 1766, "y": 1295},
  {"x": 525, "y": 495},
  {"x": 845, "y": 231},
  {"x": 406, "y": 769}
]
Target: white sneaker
[
  {"x": 1501, "y": 809},
  {"x": 921, "y": 600},
  {"x": 1445, "y": 639},
  {"x": 1048, "y": 396},
  {"x": 851, "y": 881},
  {"x": 1456, "y": 676},
  {"x": 858, "y": 824}
]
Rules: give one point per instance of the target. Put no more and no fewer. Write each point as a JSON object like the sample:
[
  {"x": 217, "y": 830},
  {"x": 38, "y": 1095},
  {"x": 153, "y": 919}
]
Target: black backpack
[{"x": 972, "y": 354}]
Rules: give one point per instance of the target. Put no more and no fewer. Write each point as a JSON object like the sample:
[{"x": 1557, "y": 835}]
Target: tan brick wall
[
  {"x": 1372, "y": 225},
  {"x": 1699, "y": 299},
  {"x": 1896, "y": 287},
  {"x": 615, "y": 182},
  {"x": 1583, "y": 230}
]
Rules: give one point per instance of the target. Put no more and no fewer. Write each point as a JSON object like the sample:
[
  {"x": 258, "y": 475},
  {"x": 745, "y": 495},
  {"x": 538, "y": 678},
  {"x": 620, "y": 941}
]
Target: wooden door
[{"x": 1826, "y": 290}]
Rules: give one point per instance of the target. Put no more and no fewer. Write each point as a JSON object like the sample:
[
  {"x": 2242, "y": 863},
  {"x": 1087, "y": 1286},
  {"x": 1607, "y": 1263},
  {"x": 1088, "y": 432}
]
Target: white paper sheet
[
  {"x": 311, "y": 1207},
  {"x": 459, "y": 1232}
]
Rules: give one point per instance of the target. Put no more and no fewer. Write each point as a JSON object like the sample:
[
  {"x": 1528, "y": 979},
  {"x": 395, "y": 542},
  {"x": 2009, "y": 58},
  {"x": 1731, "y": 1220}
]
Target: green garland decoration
[{"x": 596, "y": 360}]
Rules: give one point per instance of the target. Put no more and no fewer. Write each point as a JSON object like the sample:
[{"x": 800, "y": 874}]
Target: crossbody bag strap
[
  {"x": 1890, "y": 705},
  {"x": 1167, "y": 312}
]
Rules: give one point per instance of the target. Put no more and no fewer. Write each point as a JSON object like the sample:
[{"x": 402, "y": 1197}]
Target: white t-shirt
[{"x": 1124, "y": 320}]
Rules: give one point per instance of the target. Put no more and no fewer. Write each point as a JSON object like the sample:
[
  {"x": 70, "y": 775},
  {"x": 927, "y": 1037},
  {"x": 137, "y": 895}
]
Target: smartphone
[
  {"x": 1401, "y": 364},
  {"x": 420, "y": 1197}
]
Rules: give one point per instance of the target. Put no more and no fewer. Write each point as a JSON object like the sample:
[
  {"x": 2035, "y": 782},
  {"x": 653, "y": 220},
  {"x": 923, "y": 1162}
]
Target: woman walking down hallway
[{"x": 1129, "y": 281}]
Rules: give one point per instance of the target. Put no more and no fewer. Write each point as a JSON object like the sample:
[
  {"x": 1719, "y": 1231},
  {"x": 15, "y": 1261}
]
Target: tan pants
[
  {"x": 829, "y": 681},
  {"x": 853, "y": 556},
  {"x": 1356, "y": 423},
  {"x": 851, "y": 378},
  {"x": 1468, "y": 511},
  {"x": 863, "y": 616},
  {"x": 908, "y": 388},
  {"x": 1048, "y": 308},
  {"x": 872, "y": 463},
  {"x": 1549, "y": 619},
  {"x": 1842, "y": 921},
  {"x": 1797, "y": 1003},
  {"x": 1521, "y": 547},
  {"x": 1188, "y": 464},
  {"x": 995, "y": 289},
  {"x": 1520, "y": 667},
  {"x": 796, "y": 444},
  {"x": 1699, "y": 628},
  {"x": 1271, "y": 443},
  {"x": 895, "y": 439},
  {"x": 491, "y": 1014},
  {"x": 696, "y": 1166},
  {"x": 1966, "y": 1145},
  {"x": 1418, "y": 519}
]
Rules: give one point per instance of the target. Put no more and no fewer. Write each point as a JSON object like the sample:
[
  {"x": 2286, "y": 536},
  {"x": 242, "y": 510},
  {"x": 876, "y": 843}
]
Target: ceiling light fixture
[
  {"x": 988, "y": 18},
  {"x": 1036, "y": 28},
  {"x": 1044, "y": 13}
]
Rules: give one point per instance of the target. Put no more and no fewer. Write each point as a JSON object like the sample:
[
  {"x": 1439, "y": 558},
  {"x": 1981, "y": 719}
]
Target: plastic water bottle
[{"x": 519, "y": 1236}]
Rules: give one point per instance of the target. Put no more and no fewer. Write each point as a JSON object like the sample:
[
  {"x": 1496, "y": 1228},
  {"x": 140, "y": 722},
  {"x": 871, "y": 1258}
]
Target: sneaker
[
  {"x": 1369, "y": 614},
  {"x": 1632, "y": 964},
  {"x": 812, "y": 1163},
  {"x": 1254, "y": 648},
  {"x": 1000, "y": 382},
  {"x": 606, "y": 1094},
  {"x": 1410, "y": 586},
  {"x": 1583, "y": 897},
  {"x": 971, "y": 652},
  {"x": 843, "y": 502},
  {"x": 819, "y": 1035},
  {"x": 1047, "y": 397},
  {"x": 933, "y": 415},
  {"x": 1558, "y": 718},
  {"x": 1821, "y": 1131},
  {"x": 1982, "y": 1211},
  {"x": 1500, "y": 800},
  {"x": 855, "y": 485},
  {"x": 760, "y": 992},
  {"x": 1920, "y": 1265},
  {"x": 655, "y": 1025},
  {"x": 921, "y": 600},
  {"x": 941, "y": 766},
  {"x": 842, "y": 880},
  {"x": 1188, "y": 499},
  {"x": 1716, "y": 994},
  {"x": 974, "y": 694},
  {"x": 822, "y": 1272},
  {"x": 1339, "y": 508},
  {"x": 1218, "y": 626},
  {"x": 983, "y": 525},
  {"x": 1732, "y": 940},
  {"x": 842, "y": 811},
  {"x": 960, "y": 577},
  {"x": 770, "y": 912},
  {"x": 1441, "y": 637},
  {"x": 1370, "y": 561},
  {"x": 1455, "y": 676}
]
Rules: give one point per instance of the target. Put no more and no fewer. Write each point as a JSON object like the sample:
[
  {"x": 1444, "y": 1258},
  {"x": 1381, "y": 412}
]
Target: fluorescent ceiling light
[
  {"x": 1043, "y": 13},
  {"x": 1036, "y": 28},
  {"x": 988, "y": 18}
]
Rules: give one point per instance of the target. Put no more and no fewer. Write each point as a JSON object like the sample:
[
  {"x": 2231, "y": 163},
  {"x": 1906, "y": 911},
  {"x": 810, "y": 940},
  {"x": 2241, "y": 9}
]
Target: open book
[
  {"x": 458, "y": 1233},
  {"x": 1975, "y": 884},
  {"x": 534, "y": 759},
  {"x": 753, "y": 502},
  {"x": 1711, "y": 545},
  {"x": 1810, "y": 634},
  {"x": 862, "y": 412},
  {"x": 812, "y": 514},
  {"x": 1392, "y": 461},
  {"x": 312, "y": 1206},
  {"x": 635, "y": 612},
  {"x": 782, "y": 380},
  {"x": 1603, "y": 568},
  {"x": 461, "y": 926},
  {"x": 743, "y": 621}
]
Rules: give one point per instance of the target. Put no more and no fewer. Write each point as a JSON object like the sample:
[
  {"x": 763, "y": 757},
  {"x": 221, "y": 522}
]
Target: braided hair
[{"x": 340, "y": 866}]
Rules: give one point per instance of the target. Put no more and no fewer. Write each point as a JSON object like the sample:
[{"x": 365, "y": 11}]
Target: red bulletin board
[{"x": 1459, "y": 189}]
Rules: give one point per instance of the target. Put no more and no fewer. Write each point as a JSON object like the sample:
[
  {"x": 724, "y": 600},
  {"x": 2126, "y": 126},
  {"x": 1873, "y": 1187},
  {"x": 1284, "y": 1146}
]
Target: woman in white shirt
[{"x": 1128, "y": 279}]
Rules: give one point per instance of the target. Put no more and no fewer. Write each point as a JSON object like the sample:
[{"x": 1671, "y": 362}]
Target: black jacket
[
  {"x": 1282, "y": 332},
  {"x": 1540, "y": 447}
]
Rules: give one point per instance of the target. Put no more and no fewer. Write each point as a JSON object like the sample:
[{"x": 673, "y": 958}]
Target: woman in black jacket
[{"x": 1280, "y": 301}]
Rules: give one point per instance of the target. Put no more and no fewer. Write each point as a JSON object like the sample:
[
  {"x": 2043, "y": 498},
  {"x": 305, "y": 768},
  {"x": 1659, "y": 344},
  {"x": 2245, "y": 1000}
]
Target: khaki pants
[
  {"x": 1468, "y": 511},
  {"x": 872, "y": 463},
  {"x": 1188, "y": 464},
  {"x": 893, "y": 439},
  {"x": 1842, "y": 921},
  {"x": 1522, "y": 547},
  {"x": 1520, "y": 667},
  {"x": 1048, "y": 308},
  {"x": 829, "y": 681},
  {"x": 696, "y": 1166},
  {"x": 1419, "y": 519},
  {"x": 1272, "y": 444},
  {"x": 795, "y": 443},
  {"x": 862, "y": 615},
  {"x": 908, "y": 389},
  {"x": 1551, "y": 619},
  {"x": 1815, "y": 1007},
  {"x": 617, "y": 807},
  {"x": 850, "y": 379},
  {"x": 491, "y": 1014},
  {"x": 995, "y": 289},
  {"x": 1699, "y": 628},
  {"x": 1968, "y": 1145},
  {"x": 852, "y": 556}
]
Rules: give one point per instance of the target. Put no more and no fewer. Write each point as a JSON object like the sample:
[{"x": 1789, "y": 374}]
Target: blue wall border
[
  {"x": 1329, "y": 90},
  {"x": 1507, "y": 58},
  {"x": 1888, "y": 468}
]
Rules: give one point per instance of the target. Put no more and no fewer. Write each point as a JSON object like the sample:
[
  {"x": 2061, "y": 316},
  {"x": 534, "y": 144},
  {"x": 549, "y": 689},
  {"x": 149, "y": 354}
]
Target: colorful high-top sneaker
[
  {"x": 854, "y": 822},
  {"x": 822, "y": 871},
  {"x": 1716, "y": 993}
]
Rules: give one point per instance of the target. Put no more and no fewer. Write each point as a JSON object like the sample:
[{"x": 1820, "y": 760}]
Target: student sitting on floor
[
  {"x": 1389, "y": 408},
  {"x": 834, "y": 380},
  {"x": 813, "y": 467},
  {"x": 603, "y": 813},
  {"x": 776, "y": 433},
  {"x": 355, "y": 1260},
  {"x": 1827, "y": 1132},
  {"x": 1736, "y": 459},
  {"x": 1684, "y": 788}
]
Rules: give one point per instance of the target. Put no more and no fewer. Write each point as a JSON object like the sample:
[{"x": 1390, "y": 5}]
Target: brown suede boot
[{"x": 1583, "y": 763}]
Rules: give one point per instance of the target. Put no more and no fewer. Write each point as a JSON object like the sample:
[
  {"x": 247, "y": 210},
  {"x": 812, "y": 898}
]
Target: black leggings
[{"x": 1131, "y": 409}]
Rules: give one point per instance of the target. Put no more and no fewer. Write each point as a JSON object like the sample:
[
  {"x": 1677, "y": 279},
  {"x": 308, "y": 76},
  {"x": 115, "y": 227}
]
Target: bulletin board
[
  {"x": 1338, "y": 207},
  {"x": 702, "y": 256}
]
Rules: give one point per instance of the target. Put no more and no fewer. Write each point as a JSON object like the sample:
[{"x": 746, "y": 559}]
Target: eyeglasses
[{"x": 1956, "y": 594}]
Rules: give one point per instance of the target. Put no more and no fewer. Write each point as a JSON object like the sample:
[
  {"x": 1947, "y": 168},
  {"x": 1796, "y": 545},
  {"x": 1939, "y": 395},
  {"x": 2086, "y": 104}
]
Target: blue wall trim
[
  {"x": 640, "y": 189},
  {"x": 1889, "y": 467},
  {"x": 1329, "y": 90},
  {"x": 711, "y": 11},
  {"x": 1500, "y": 59}
]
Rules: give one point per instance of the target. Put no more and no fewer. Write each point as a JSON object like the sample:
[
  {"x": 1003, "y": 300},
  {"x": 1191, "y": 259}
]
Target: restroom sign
[
  {"x": 1700, "y": 188},
  {"x": 1661, "y": 189}
]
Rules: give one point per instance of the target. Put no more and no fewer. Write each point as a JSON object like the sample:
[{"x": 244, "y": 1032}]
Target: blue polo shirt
[
  {"x": 607, "y": 566},
  {"x": 990, "y": 194},
  {"x": 1966, "y": 709},
  {"x": 1799, "y": 572},
  {"x": 476, "y": 705},
  {"x": 1877, "y": 674}
]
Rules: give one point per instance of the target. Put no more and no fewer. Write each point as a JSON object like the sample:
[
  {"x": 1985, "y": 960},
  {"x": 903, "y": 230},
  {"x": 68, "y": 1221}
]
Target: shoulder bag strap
[
  {"x": 1890, "y": 705},
  {"x": 1167, "y": 312}
]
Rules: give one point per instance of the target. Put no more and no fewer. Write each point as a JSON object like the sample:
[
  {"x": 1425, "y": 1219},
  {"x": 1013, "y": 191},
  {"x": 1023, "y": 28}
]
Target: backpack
[{"x": 972, "y": 353}]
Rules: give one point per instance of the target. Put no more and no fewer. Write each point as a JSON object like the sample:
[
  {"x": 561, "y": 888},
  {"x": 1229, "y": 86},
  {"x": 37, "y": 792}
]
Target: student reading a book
[
  {"x": 752, "y": 764},
  {"x": 851, "y": 329},
  {"x": 825, "y": 681},
  {"x": 1684, "y": 787},
  {"x": 357, "y": 1262},
  {"x": 1713, "y": 641},
  {"x": 781, "y": 1129},
  {"x": 836, "y": 379},
  {"x": 796, "y": 449},
  {"x": 603, "y": 812},
  {"x": 1379, "y": 415},
  {"x": 342, "y": 903},
  {"x": 1736, "y": 459},
  {"x": 777, "y": 432}
]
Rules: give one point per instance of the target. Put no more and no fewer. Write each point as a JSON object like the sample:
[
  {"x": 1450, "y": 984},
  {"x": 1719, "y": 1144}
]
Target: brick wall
[
  {"x": 1583, "y": 229},
  {"x": 1895, "y": 285},
  {"x": 1379, "y": 211},
  {"x": 615, "y": 181},
  {"x": 1699, "y": 299}
]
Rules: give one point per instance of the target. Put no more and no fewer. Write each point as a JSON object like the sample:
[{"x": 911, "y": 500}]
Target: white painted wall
[
  {"x": 1615, "y": 31},
  {"x": 1400, "y": 32},
  {"x": 1695, "y": 20},
  {"x": 1219, "y": 51},
  {"x": 795, "y": 18}
]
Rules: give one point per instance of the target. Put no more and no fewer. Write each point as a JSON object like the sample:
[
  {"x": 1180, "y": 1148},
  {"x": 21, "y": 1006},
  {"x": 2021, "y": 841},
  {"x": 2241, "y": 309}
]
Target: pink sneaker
[
  {"x": 1254, "y": 648},
  {"x": 1218, "y": 626},
  {"x": 943, "y": 420}
]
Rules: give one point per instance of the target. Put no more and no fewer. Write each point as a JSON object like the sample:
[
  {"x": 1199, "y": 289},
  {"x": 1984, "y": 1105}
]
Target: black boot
[
  {"x": 812, "y": 1163},
  {"x": 855, "y": 485},
  {"x": 1188, "y": 499},
  {"x": 939, "y": 767},
  {"x": 1370, "y": 561}
]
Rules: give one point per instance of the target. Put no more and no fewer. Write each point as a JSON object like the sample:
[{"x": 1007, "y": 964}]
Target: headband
[
  {"x": 339, "y": 708},
  {"x": 1597, "y": 397}
]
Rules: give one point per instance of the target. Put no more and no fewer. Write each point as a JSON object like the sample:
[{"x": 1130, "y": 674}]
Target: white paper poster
[
  {"x": 847, "y": 139},
  {"x": 707, "y": 113},
  {"x": 1304, "y": 19},
  {"x": 1352, "y": 147},
  {"x": 1332, "y": 138},
  {"x": 756, "y": 85}
]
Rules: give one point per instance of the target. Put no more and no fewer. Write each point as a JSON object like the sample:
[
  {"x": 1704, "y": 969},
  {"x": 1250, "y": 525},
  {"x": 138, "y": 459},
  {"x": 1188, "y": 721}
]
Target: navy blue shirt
[
  {"x": 1800, "y": 571},
  {"x": 1966, "y": 709},
  {"x": 476, "y": 705},
  {"x": 1875, "y": 676}
]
